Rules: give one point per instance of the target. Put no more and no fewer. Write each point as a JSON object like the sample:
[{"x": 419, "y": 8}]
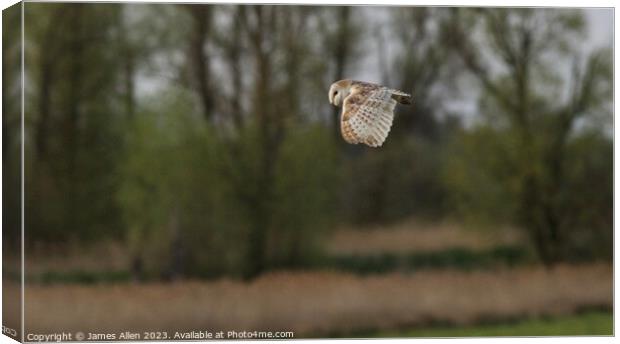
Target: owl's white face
[{"x": 337, "y": 93}]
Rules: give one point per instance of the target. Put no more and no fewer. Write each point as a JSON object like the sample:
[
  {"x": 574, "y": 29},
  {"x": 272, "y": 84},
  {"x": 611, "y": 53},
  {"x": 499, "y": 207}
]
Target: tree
[
  {"x": 11, "y": 128},
  {"x": 400, "y": 178},
  {"x": 73, "y": 117},
  {"x": 425, "y": 66},
  {"x": 219, "y": 201},
  {"x": 233, "y": 43},
  {"x": 199, "y": 59},
  {"x": 537, "y": 125},
  {"x": 341, "y": 33}
]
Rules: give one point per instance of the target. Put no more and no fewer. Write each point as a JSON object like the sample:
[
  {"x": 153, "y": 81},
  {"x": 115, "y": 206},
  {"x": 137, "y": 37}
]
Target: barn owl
[{"x": 367, "y": 110}]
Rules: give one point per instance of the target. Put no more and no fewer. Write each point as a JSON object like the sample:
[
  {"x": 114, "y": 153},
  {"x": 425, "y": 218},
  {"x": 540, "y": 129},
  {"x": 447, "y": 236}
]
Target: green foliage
[
  {"x": 479, "y": 171},
  {"x": 456, "y": 258},
  {"x": 81, "y": 277},
  {"x": 517, "y": 164},
  {"x": 11, "y": 129},
  {"x": 73, "y": 122},
  {"x": 486, "y": 187},
  {"x": 586, "y": 198},
  {"x": 173, "y": 192},
  {"x": 190, "y": 191},
  {"x": 305, "y": 192},
  {"x": 210, "y": 265},
  {"x": 135, "y": 132},
  {"x": 396, "y": 181}
]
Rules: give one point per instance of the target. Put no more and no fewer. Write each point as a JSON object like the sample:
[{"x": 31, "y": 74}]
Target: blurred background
[{"x": 184, "y": 170}]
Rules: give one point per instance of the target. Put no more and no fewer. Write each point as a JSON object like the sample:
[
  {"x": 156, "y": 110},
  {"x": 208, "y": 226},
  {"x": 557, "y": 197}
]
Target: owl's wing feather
[{"x": 367, "y": 115}]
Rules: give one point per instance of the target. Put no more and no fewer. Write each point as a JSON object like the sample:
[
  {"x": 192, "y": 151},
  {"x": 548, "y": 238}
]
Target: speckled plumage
[{"x": 367, "y": 110}]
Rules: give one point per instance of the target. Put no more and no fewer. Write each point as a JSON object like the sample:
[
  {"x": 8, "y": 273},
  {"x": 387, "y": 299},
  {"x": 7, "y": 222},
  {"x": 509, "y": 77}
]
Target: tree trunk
[
  {"x": 177, "y": 250},
  {"x": 200, "y": 59},
  {"x": 340, "y": 60},
  {"x": 42, "y": 127},
  {"x": 74, "y": 100},
  {"x": 234, "y": 60},
  {"x": 128, "y": 66},
  {"x": 271, "y": 131},
  {"x": 47, "y": 73}
]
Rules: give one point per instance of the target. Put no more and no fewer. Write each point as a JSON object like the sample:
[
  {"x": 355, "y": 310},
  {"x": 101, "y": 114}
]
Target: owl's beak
[
  {"x": 331, "y": 99},
  {"x": 336, "y": 100}
]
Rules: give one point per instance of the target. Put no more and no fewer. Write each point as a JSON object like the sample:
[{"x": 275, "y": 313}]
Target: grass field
[
  {"x": 336, "y": 300},
  {"x": 322, "y": 303},
  {"x": 594, "y": 323},
  {"x": 402, "y": 238}
]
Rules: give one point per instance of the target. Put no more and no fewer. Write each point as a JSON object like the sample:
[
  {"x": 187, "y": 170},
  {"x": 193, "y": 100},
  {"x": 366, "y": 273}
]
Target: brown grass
[
  {"x": 415, "y": 236},
  {"x": 319, "y": 303},
  {"x": 404, "y": 237}
]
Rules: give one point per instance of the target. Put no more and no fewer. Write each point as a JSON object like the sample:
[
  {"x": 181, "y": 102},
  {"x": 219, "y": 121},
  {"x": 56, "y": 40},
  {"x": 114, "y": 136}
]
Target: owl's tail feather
[{"x": 402, "y": 98}]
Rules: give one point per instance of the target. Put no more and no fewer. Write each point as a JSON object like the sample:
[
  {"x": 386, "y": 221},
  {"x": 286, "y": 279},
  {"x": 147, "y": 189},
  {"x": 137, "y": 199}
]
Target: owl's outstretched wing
[{"x": 367, "y": 115}]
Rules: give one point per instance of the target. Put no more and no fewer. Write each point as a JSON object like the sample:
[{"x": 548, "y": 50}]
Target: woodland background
[{"x": 186, "y": 146}]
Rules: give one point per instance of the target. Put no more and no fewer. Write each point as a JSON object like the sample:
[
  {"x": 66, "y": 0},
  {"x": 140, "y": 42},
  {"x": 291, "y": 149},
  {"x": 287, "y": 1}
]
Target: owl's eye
[{"x": 335, "y": 93}]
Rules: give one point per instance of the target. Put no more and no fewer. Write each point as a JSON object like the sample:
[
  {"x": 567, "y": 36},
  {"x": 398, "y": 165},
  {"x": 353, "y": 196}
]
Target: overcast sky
[
  {"x": 599, "y": 33},
  {"x": 600, "y": 27}
]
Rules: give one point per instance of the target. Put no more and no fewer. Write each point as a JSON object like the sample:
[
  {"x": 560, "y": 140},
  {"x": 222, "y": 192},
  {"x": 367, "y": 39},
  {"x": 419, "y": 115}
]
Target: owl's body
[{"x": 367, "y": 110}]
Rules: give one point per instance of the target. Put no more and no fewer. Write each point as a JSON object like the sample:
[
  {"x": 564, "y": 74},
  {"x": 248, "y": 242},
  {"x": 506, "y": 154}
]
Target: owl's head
[{"x": 338, "y": 91}]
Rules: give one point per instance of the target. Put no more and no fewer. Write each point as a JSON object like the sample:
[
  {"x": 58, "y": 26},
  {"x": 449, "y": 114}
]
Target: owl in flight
[{"x": 367, "y": 110}]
